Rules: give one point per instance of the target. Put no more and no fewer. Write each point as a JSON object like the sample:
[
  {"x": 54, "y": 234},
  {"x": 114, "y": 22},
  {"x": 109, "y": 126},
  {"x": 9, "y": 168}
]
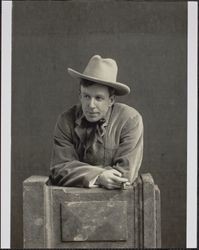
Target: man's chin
[{"x": 92, "y": 119}]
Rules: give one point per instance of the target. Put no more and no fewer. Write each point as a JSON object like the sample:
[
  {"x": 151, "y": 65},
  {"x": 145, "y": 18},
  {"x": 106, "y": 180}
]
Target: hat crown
[{"x": 102, "y": 68}]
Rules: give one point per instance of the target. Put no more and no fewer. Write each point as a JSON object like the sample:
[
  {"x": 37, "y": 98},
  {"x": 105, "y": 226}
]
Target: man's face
[{"x": 96, "y": 101}]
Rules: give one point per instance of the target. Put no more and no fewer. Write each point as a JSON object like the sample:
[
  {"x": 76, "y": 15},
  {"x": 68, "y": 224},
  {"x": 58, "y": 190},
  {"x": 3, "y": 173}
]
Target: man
[{"x": 98, "y": 142}]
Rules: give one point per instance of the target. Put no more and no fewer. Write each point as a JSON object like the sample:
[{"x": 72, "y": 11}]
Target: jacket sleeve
[
  {"x": 66, "y": 168},
  {"x": 129, "y": 155}
]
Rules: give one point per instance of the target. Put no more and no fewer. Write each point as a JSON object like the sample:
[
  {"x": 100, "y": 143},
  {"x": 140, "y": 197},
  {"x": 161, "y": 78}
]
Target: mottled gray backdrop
[{"x": 148, "y": 41}]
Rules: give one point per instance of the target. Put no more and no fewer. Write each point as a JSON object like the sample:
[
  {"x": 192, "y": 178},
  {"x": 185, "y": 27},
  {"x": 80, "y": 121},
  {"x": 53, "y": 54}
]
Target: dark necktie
[{"x": 94, "y": 132}]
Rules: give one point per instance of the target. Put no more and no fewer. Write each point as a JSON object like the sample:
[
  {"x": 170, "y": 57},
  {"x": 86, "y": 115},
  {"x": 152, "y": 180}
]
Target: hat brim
[{"x": 120, "y": 88}]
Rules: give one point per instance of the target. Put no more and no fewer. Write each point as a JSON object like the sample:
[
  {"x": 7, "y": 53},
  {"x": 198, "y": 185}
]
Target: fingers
[
  {"x": 119, "y": 179},
  {"x": 116, "y": 172},
  {"x": 117, "y": 176},
  {"x": 113, "y": 186},
  {"x": 111, "y": 179}
]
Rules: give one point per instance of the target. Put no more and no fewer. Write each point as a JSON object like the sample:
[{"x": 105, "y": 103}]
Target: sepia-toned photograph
[{"x": 99, "y": 124}]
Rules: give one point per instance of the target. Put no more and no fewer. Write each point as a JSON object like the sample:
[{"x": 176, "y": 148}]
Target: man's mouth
[{"x": 92, "y": 113}]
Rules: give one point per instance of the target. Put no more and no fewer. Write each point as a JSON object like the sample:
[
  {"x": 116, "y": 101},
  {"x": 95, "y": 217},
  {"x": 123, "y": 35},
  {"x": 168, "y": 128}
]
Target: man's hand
[{"x": 111, "y": 179}]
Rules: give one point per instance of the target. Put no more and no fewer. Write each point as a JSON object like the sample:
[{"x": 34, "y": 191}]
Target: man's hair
[{"x": 87, "y": 83}]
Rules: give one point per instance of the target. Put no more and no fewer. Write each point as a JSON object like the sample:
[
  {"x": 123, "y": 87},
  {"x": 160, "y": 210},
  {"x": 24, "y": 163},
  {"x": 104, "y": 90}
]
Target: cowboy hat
[{"x": 102, "y": 71}]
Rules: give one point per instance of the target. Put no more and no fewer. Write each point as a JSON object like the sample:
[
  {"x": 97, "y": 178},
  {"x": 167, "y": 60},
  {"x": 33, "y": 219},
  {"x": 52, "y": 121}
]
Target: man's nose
[{"x": 92, "y": 103}]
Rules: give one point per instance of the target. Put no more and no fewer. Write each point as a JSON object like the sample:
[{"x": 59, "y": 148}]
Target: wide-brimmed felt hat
[{"x": 102, "y": 71}]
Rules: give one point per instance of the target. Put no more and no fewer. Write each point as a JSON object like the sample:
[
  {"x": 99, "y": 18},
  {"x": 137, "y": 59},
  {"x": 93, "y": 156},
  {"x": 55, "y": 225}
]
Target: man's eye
[
  {"x": 86, "y": 97},
  {"x": 99, "y": 98}
]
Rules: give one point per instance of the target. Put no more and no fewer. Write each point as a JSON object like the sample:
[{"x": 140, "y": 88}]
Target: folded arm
[
  {"x": 66, "y": 168},
  {"x": 128, "y": 157}
]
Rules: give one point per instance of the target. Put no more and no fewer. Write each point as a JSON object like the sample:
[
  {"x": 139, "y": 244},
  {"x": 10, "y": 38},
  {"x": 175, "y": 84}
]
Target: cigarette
[{"x": 126, "y": 185}]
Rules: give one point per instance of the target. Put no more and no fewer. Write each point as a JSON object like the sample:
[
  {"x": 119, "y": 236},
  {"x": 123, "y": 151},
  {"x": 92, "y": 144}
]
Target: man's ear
[
  {"x": 79, "y": 94},
  {"x": 112, "y": 100}
]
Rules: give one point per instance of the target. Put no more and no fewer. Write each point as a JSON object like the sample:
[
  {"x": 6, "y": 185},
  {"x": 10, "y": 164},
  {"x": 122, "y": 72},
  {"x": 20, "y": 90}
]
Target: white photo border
[
  {"x": 6, "y": 48},
  {"x": 192, "y": 90},
  {"x": 192, "y": 70}
]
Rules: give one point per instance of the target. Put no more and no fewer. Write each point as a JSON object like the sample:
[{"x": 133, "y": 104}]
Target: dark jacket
[{"x": 118, "y": 145}]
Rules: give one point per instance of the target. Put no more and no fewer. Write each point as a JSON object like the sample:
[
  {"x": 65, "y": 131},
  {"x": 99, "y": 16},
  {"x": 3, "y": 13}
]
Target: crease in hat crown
[{"x": 103, "y": 71}]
